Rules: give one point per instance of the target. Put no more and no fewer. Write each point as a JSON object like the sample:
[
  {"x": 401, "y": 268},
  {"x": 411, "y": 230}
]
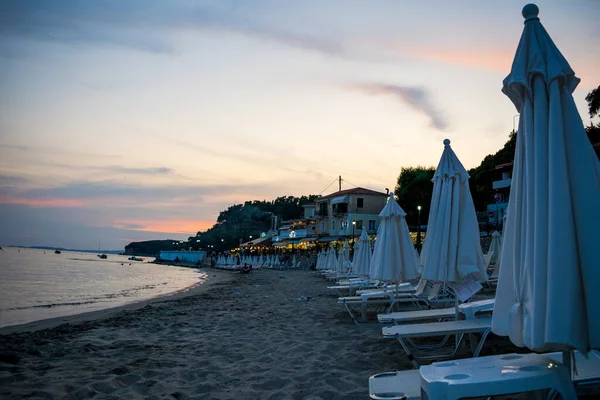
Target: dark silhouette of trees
[
  {"x": 593, "y": 130},
  {"x": 240, "y": 221},
  {"x": 414, "y": 188}
]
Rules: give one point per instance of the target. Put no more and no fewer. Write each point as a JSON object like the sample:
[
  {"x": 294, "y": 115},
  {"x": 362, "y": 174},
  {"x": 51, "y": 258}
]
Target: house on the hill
[{"x": 344, "y": 214}]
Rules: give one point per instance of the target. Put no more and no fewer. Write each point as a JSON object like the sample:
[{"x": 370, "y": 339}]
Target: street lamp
[
  {"x": 353, "y": 227},
  {"x": 419, "y": 228}
]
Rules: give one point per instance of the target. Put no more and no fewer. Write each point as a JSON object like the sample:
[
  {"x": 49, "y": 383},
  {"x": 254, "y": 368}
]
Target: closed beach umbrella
[
  {"x": 323, "y": 261},
  {"x": 331, "y": 259},
  {"x": 394, "y": 257},
  {"x": 346, "y": 250},
  {"x": 493, "y": 254},
  {"x": 550, "y": 268},
  {"x": 362, "y": 255},
  {"x": 452, "y": 248},
  {"x": 320, "y": 259},
  {"x": 341, "y": 259}
]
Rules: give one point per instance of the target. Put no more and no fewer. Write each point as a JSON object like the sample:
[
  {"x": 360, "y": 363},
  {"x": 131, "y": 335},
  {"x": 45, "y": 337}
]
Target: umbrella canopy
[
  {"x": 362, "y": 255},
  {"x": 319, "y": 263},
  {"x": 493, "y": 254},
  {"x": 346, "y": 250},
  {"x": 331, "y": 261},
  {"x": 452, "y": 248},
  {"x": 394, "y": 258},
  {"x": 341, "y": 259},
  {"x": 549, "y": 273}
]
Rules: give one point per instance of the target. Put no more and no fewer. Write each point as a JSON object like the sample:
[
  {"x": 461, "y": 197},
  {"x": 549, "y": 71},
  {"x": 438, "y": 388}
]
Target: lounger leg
[
  {"x": 351, "y": 314},
  {"x": 410, "y": 355},
  {"x": 481, "y": 342}
]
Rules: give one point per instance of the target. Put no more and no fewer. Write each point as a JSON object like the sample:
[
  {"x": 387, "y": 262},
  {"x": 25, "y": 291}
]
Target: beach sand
[{"x": 234, "y": 337}]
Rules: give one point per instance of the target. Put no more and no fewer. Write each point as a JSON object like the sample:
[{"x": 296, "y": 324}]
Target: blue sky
[{"x": 132, "y": 120}]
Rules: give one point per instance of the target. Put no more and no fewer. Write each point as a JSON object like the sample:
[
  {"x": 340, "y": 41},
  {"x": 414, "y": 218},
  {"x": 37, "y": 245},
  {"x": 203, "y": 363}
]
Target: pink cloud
[
  {"x": 43, "y": 202},
  {"x": 187, "y": 227}
]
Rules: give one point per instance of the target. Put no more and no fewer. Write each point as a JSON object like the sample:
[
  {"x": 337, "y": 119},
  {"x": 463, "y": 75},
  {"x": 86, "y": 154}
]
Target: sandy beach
[{"x": 234, "y": 337}]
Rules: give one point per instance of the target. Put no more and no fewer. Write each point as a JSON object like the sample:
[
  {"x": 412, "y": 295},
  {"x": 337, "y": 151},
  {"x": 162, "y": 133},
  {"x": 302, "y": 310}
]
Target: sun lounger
[
  {"x": 467, "y": 309},
  {"x": 394, "y": 385},
  {"x": 389, "y": 299},
  {"x": 349, "y": 286},
  {"x": 460, "y": 328}
]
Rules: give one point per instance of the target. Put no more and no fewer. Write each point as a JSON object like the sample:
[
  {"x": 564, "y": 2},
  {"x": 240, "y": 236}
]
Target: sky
[{"x": 128, "y": 120}]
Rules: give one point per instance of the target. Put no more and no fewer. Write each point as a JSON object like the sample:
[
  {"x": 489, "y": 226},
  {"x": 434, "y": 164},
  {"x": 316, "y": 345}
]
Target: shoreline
[{"x": 213, "y": 276}]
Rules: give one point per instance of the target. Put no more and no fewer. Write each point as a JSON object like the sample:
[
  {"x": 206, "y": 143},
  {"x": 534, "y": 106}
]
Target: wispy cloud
[
  {"x": 137, "y": 171},
  {"x": 46, "y": 202},
  {"x": 46, "y": 150},
  {"x": 416, "y": 97},
  {"x": 135, "y": 24}
]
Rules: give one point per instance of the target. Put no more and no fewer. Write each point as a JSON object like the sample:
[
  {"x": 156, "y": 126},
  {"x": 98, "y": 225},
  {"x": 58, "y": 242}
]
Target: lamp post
[
  {"x": 292, "y": 236},
  {"x": 222, "y": 244},
  {"x": 419, "y": 228},
  {"x": 353, "y": 227}
]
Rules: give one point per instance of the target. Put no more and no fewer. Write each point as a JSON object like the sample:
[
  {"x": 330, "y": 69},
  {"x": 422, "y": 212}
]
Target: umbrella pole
[{"x": 566, "y": 356}]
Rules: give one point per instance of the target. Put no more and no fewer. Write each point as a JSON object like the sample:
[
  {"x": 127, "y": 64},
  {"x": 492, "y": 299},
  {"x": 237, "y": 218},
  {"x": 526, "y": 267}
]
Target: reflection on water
[{"x": 39, "y": 284}]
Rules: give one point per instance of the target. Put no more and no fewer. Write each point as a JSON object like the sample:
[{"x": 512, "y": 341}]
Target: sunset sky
[{"x": 126, "y": 120}]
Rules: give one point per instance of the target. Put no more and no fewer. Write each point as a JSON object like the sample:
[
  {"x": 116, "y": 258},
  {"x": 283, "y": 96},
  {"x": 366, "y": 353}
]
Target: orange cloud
[
  {"x": 187, "y": 227},
  {"x": 492, "y": 60},
  {"x": 478, "y": 57},
  {"x": 42, "y": 202}
]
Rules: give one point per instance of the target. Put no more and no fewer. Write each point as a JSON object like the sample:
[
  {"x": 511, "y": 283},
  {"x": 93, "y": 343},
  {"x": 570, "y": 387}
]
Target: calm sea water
[{"x": 38, "y": 284}]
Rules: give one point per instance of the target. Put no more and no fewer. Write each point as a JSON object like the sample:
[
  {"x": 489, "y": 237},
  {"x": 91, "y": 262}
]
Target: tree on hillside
[
  {"x": 482, "y": 177},
  {"x": 593, "y": 130},
  {"x": 593, "y": 100},
  {"x": 414, "y": 188},
  {"x": 240, "y": 221}
]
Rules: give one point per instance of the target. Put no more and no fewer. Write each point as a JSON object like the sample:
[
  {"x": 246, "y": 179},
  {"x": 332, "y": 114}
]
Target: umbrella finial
[
  {"x": 530, "y": 11},
  {"x": 446, "y": 142}
]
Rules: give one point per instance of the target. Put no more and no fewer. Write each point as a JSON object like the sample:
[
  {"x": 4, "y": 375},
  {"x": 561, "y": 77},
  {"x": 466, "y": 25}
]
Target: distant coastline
[{"x": 64, "y": 249}]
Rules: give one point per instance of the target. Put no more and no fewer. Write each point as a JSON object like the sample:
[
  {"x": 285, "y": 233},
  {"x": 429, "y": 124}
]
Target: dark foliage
[
  {"x": 241, "y": 221},
  {"x": 413, "y": 189},
  {"x": 151, "y": 247}
]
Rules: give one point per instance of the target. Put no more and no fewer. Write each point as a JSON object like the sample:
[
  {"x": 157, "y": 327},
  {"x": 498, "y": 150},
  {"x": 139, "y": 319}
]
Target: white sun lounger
[
  {"x": 351, "y": 285},
  {"x": 404, "y": 334},
  {"x": 397, "y": 384},
  {"x": 467, "y": 309},
  {"x": 385, "y": 298}
]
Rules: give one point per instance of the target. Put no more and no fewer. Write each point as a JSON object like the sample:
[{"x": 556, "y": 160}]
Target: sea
[{"x": 39, "y": 284}]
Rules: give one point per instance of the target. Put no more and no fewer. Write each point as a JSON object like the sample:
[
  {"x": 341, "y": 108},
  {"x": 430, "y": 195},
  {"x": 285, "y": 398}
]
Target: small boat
[
  {"x": 102, "y": 256},
  {"x": 56, "y": 251},
  {"x": 136, "y": 258}
]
